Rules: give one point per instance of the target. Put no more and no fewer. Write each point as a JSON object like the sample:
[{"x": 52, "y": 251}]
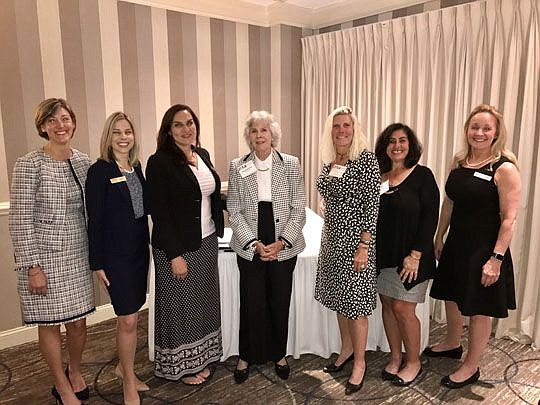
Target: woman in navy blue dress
[{"x": 118, "y": 238}]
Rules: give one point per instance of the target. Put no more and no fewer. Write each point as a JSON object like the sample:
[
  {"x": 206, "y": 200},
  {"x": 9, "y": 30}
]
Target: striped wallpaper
[{"x": 108, "y": 55}]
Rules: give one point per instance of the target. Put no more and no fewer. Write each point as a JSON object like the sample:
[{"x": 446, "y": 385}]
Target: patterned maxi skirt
[{"x": 187, "y": 313}]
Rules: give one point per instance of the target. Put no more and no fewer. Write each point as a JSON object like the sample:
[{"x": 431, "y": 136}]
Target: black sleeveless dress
[{"x": 474, "y": 226}]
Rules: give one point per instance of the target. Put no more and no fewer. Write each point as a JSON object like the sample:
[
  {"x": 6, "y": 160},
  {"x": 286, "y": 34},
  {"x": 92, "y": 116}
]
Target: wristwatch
[{"x": 497, "y": 256}]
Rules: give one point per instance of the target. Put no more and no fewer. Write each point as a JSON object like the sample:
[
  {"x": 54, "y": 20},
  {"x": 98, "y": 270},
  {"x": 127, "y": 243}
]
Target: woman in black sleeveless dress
[{"x": 475, "y": 274}]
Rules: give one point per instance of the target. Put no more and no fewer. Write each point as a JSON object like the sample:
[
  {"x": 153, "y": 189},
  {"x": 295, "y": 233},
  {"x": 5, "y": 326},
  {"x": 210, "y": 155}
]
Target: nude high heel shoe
[{"x": 139, "y": 385}]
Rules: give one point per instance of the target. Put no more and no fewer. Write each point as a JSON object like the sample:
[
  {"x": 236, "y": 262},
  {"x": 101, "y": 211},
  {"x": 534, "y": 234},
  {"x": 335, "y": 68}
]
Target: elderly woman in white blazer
[{"x": 266, "y": 203}]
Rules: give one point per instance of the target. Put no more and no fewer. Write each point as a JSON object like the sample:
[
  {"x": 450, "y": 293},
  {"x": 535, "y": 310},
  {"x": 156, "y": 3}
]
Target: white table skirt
[{"x": 312, "y": 327}]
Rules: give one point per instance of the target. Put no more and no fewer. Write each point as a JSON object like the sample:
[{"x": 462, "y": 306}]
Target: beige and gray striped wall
[{"x": 109, "y": 55}]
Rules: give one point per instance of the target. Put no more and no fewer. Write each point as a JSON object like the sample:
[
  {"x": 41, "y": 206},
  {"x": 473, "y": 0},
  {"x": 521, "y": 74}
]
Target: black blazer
[
  {"x": 112, "y": 228},
  {"x": 174, "y": 198}
]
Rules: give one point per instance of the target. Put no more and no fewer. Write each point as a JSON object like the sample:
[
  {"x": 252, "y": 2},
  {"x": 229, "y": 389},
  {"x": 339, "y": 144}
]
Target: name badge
[
  {"x": 337, "y": 171},
  {"x": 246, "y": 169},
  {"x": 120, "y": 179},
  {"x": 482, "y": 176},
  {"x": 385, "y": 186}
]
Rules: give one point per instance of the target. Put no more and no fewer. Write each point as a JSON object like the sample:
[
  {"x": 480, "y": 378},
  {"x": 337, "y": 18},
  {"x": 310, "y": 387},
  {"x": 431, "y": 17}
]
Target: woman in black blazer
[
  {"x": 118, "y": 237},
  {"x": 187, "y": 216}
]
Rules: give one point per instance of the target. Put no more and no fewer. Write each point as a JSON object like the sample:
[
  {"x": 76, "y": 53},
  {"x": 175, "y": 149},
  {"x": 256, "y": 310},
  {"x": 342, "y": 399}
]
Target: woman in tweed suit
[
  {"x": 266, "y": 203},
  {"x": 48, "y": 230}
]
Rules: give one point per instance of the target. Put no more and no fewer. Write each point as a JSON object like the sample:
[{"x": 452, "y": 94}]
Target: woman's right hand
[
  {"x": 179, "y": 268},
  {"x": 104, "y": 281},
  {"x": 37, "y": 281},
  {"x": 438, "y": 247}
]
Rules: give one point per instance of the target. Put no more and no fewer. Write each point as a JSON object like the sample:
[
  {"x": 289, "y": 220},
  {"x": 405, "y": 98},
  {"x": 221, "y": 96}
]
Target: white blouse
[
  {"x": 207, "y": 184},
  {"x": 264, "y": 178}
]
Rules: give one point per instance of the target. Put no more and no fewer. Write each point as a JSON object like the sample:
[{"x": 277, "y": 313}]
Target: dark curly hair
[{"x": 415, "y": 147}]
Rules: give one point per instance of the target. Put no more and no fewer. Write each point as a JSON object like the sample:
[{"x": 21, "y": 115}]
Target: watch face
[{"x": 497, "y": 256}]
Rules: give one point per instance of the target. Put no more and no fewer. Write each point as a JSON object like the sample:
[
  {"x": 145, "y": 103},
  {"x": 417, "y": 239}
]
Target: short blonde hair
[
  {"x": 106, "y": 152},
  {"x": 269, "y": 120},
  {"x": 358, "y": 144},
  {"x": 498, "y": 147}
]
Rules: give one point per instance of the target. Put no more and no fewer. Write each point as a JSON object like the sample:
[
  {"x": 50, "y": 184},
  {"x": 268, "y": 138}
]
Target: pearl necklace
[{"x": 478, "y": 164}]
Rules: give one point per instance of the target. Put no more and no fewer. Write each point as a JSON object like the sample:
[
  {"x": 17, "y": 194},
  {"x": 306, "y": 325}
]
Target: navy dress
[
  {"x": 118, "y": 234},
  {"x": 474, "y": 226}
]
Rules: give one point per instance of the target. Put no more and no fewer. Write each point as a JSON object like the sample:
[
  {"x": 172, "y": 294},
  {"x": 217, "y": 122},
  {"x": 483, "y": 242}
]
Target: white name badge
[
  {"x": 120, "y": 179},
  {"x": 337, "y": 171},
  {"x": 246, "y": 169},
  {"x": 482, "y": 176},
  {"x": 385, "y": 186}
]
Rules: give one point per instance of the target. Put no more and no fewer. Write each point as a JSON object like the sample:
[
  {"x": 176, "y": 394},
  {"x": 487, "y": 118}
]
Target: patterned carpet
[{"x": 510, "y": 374}]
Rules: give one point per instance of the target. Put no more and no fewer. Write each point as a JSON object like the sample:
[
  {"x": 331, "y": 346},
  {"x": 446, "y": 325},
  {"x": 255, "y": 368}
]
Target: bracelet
[
  {"x": 497, "y": 256},
  {"x": 366, "y": 242}
]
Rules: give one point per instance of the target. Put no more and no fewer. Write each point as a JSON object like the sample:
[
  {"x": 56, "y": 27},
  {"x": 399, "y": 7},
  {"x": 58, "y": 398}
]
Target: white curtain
[{"x": 428, "y": 71}]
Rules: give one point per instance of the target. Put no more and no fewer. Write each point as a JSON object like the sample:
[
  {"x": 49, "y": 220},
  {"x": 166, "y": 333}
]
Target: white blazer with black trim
[{"x": 288, "y": 205}]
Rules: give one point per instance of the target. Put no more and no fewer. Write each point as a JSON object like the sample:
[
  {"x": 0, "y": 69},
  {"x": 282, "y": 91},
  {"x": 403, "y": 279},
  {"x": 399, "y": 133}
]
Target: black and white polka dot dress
[{"x": 352, "y": 204}]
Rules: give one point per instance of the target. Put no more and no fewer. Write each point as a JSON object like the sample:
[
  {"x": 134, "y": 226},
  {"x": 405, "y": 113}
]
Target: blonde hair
[
  {"x": 106, "y": 152},
  {"x": 498, "y": 147},
  {"x": 358, "y": 144},
  {"x": 269, "y": 120}
]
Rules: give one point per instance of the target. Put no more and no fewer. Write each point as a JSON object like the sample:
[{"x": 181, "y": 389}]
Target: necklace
[
  {"x": 123, "y": 169},
  {"x": 478, "y": 164},
  {"x": 263, "y": 170}
]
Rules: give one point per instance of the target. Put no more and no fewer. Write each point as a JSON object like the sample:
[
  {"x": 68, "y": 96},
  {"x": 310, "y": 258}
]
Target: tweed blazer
[
  {"x": 288, "y": 205},
  {"x": 38, "y": 204}
]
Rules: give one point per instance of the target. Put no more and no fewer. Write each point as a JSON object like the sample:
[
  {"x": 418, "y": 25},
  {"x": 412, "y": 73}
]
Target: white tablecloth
[{"x": 312, "y": 327}]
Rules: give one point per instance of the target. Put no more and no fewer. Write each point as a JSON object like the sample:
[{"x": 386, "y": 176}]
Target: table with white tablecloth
[{"x": 312, "y": 327}]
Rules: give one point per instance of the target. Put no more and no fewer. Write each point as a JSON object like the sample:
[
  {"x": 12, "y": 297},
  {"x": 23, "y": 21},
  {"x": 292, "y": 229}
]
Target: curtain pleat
[{"x": 428, "y": 71}]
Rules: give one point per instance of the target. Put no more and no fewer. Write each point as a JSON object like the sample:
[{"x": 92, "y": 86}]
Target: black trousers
[{"x": 265, "y": 295}]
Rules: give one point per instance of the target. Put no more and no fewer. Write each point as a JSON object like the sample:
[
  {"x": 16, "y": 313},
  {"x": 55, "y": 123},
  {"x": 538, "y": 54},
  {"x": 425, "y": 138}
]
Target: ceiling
[{"x": 301, "y": 13}]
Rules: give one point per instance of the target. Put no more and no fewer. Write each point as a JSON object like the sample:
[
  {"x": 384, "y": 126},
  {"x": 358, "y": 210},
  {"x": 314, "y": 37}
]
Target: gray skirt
[{"x": 390, "y": 285}]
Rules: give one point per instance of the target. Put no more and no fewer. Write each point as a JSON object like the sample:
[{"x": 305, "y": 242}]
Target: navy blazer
[
  {"x": 112, "y": 228},
  {"x": 174, "y": 199}
]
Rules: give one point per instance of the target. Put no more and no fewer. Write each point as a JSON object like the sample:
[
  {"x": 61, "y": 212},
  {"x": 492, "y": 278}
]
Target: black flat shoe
[
  {"x": 351, "y": 388},
  {"x": 81, "y": 395},
  {"x": 332, "y": 368},
  {"x": 400, "y": 382},
  {"x": 448, "y": 383},
  {"x": 387, "y": 375},
  {"x": 451, "y": 354},
  {"x": 283, "y": 371},
  {"x": 241, "y": 376}
]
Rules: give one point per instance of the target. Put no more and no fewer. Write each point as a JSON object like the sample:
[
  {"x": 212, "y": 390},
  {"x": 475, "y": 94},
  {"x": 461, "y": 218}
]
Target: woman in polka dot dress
[{"x": 346, "y": 276}]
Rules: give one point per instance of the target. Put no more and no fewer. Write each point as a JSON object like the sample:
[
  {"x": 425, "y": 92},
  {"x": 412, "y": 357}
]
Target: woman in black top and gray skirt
[{"x": 408, "y": 213}]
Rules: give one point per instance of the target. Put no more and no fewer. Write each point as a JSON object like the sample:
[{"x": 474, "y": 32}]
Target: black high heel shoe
[
  {"x": 81, "y": 395},
  {"x": 240, "y": 376},
  {"x": 332, "y": 368},
  {"x": 56, "y": 395}
]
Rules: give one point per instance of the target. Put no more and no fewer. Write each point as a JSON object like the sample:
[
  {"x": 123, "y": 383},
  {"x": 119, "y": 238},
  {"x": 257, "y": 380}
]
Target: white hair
[{"x": 269, "y": 120}]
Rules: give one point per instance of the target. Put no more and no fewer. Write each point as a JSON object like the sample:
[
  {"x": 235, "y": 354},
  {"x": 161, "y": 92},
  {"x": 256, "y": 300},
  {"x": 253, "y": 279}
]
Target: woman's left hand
[
  {"x": 490, "y": 272},
  {"x": 409, "y": 272},
  {"x": 271, "y": 251},
  {"x": 360, "y": 258}
]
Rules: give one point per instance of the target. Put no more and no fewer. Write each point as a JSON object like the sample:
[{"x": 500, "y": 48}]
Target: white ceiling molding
[{"x": 300, "y": 13}]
